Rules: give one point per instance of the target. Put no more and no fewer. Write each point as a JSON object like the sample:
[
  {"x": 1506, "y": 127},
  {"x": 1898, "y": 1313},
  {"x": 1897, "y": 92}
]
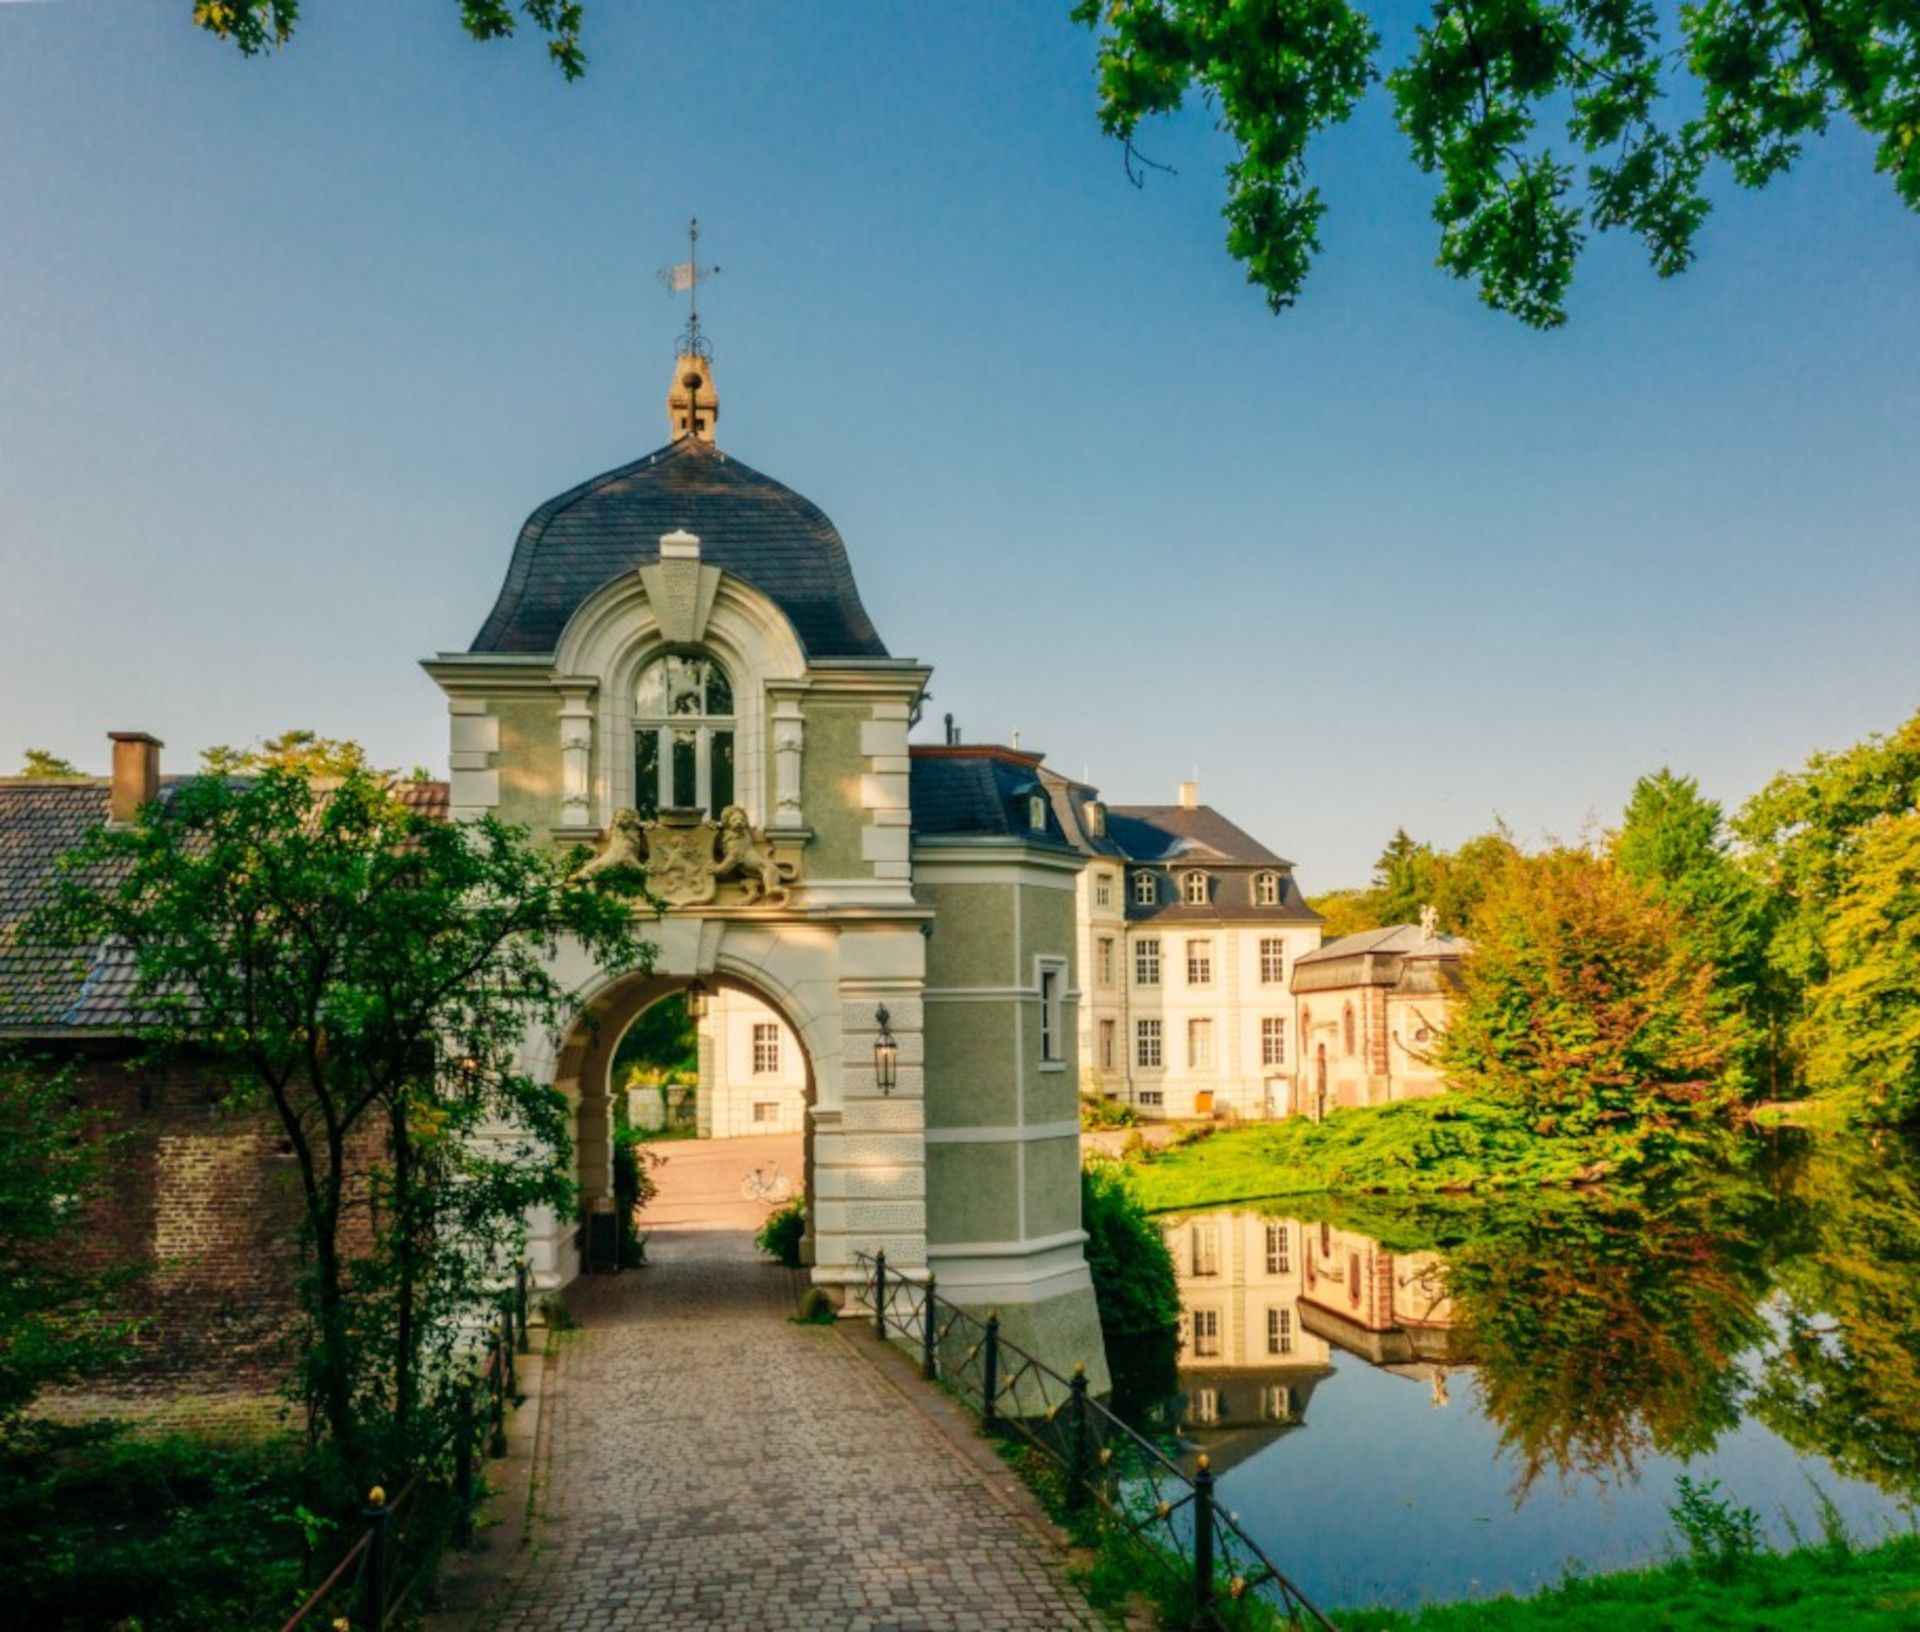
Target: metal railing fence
[
  {"x": 1103, "y": 1461},
  {"x": 404, "y": 1537}
]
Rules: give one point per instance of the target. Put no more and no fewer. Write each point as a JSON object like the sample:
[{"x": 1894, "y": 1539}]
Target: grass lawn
[
  {"x": 1871, "y": 1589},
  {"x": 1449, "y": 1143}
]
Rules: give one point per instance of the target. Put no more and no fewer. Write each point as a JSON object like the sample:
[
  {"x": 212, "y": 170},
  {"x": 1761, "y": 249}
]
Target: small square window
[{"x": 766, "y": 1110}]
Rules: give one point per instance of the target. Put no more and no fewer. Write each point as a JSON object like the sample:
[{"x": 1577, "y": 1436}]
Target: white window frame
[
  {"x": 1200, "y": 1042},
  {"x": 1146, "y": 889},
  {"x": 1147, "y": 1040},
  {"x": 1266, "y": 889},
  {"x": 1273, "y": 960},
  {"x": 1279, "y": 1331},
  {"x": 1109, "y": 1030},
  {"x": 770, "y": 1106},
  {"x": 1206, "y": 1344},
  {"x": 1103, "y": 962},
  {"x": 1103, "y": 889},
  {"x": 1203, "y": 1247},
  {"x": 1200, "y": 962},
  {"x": 1279, "y": 1250},
  {"x": 1146, "y": 961},
  {"x": 1050, "y": 987},
  {"x": 766, "y": 1048},
  {"x": 703, "y": 727},
  {"x": 1036, "y": 813},
  {"x": 1193, "y": 888},
  {"x": 1273, "y": 1040}
]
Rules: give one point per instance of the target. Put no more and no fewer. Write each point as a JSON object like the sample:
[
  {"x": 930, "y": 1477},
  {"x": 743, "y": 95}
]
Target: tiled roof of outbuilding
[
  {"x": 61, "y": 989},
  {"x": 748, "y": 524}
]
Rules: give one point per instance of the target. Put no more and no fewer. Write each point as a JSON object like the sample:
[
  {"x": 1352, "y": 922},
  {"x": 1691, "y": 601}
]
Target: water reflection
[{"x": 1531, "y": 1374}]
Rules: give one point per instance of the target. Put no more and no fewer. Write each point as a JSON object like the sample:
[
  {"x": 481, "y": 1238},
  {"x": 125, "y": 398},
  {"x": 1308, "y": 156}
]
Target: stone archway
[{"x": 864, "y": 1170}]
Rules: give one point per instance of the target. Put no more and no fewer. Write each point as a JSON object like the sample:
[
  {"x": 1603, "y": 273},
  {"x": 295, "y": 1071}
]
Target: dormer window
[
  {"x": 1266, "y": 890},
  {"x": 1194, "y": 889},
  {"x": 1037, "y": 813},
  {"x": 1145, "y": 891},
  {"x": 1096, "y": 818},
  {"x": 683, "y": 725}
]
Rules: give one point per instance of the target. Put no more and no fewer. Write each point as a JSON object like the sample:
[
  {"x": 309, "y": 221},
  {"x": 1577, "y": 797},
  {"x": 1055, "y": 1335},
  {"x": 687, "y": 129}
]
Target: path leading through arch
[{"x": 704, "y": 1462}]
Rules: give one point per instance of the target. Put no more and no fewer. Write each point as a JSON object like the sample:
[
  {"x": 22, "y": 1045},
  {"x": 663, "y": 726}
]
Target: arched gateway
[{"x": 679, "y": 670}]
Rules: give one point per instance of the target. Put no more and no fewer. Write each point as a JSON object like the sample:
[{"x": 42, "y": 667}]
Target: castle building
[{"x": 1188, "y": 930}]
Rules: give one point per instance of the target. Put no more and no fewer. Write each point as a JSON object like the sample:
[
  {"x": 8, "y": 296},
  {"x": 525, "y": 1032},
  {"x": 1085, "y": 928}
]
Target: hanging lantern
[
  {"x": 886, "y": 1053},
  {"x": 697, "y": 1001}
]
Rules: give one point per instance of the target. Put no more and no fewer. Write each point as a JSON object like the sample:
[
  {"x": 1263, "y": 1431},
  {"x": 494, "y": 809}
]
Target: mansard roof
[
  {"x": 978, "y": 792},
  {"x": 1402, "y": 957},
  {"x": 64, "y": 989},
  {"x": 748, "y": 524}
]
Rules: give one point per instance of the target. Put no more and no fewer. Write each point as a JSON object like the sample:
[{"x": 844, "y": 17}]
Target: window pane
[
  {"x": 719, "y": 691},
  {"x": 650, "y": 696},
  {"x": 646, "y": 774},
  {"x": 686, "y": 793},
  {"x": 721, "y": 769}
]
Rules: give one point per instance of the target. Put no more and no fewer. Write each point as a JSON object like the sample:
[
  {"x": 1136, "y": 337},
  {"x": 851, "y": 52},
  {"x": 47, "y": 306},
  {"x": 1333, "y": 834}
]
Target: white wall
[{"x": 736, "y": 1100}]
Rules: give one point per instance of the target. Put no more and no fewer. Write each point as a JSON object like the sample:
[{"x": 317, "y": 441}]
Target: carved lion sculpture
[
  {"x": 625, "y": 846},
  {"x": 746, "y": 855}
]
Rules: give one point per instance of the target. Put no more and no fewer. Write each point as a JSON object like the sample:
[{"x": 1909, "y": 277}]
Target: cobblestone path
[{"x": 706, "y": 1463}]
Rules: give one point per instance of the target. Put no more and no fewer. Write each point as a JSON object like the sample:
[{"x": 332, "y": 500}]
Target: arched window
[
  {"x": 683, "y": 725},
  {"x": 1195, "y": 885},
  {"x": 1266, "y": 890},
  {"x": 1346, "y": 1027},
  {"x": 1145, "y": 893},
  {"x": 1036, "y": 813}
]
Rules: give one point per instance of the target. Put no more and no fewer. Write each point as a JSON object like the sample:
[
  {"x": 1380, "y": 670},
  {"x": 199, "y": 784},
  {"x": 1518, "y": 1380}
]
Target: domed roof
[{"x": 748, "y": 524}]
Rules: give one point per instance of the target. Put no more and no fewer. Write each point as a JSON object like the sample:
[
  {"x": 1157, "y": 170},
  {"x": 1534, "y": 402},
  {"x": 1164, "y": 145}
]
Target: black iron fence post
[
  {"x": 990, "y": 1373},
  {"x": 520, "y": 1303},
  {"x": 507, "y": 1351},
  {"x": 463, "y": 1467},
  {"x": 373, "y": 1581},
  {"x": 1078, "y": 1461},
  {"x": 1203, "y": 1539},
  {"x": 929, "y": 1362},
  {"x": 880, "y": 1294},
  {"x": 497, "y": 1386}
]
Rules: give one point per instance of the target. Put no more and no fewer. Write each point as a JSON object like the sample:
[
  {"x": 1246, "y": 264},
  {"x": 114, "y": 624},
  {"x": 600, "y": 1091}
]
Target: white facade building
[
  {"x": 753, "y": 1071},
  {"x": 1188, "y": 931}
]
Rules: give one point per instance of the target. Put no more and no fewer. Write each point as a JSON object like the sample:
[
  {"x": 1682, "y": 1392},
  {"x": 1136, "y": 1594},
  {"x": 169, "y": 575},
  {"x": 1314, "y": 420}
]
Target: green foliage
[
  {"x": 1874, "y": 1590},
  {"x": 44, "y": 766},
  {"x": 1411, "y": 875},
  {"x": 302, "y": 752},
  {"x": 1588, "y": 1008},
  {"x": 1475, "y": 96},
  {"x": 1098, "y": 1111},
  {"x": 662, "y": 1045},
  {"x": 783, "y": 1231},
  {"x": 254, "y": 25},
  {"x": 369, "y": 972},
  {"x": 1720, "y": 1536},
  {"x": 633, "y": 1187},
  {"x": 816, "y": 1308},
  {"x": 1454, "y": 1142},
  {"x": 56, "y": 1316},
  {"x": 1133, "y": 1280},
  {"x": 98, "y": 1529}
]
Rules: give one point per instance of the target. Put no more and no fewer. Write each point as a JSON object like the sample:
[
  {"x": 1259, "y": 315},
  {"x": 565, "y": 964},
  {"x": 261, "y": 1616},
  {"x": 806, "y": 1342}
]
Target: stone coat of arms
[{"x": 687, "y": 857}]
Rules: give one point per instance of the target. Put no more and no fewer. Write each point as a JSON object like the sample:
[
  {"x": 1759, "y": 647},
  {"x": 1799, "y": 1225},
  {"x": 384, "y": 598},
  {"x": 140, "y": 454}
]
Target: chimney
[
  {"x": 136, "y": 773},
  {"x": 1189, "y": 795}
]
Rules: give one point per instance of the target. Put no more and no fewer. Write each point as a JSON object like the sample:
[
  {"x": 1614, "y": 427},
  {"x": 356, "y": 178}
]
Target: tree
[
  {"x": 296, "y": 750},
  {"x": 369, "y": 972},
  {"x": 1587, "y": 1009},
  {"x": 1475, "y": 94},
  {"x": 55, "y": 1323},
  {"x": 1673, "y": 844},
  {"x": 253, "y": 25},
  {"x": 1411, "y": 875},
  {"x": 1863, "y": 1019},
  {"x": 44, "y": 766}
]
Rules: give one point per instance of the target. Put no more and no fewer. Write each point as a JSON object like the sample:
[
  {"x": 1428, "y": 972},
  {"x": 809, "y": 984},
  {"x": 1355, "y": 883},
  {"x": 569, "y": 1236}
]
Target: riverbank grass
[
  {"x": 1451, "y": 1143},
  {"x": 1869, "y": 1589}
]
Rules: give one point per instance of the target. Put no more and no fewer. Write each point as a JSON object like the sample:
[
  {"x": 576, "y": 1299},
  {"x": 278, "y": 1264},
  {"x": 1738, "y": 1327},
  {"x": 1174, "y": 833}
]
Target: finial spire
[{"x": 692, "y": 403}]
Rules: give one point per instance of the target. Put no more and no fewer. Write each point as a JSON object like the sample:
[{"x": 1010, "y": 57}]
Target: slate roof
[
  {"x": 748, "y": 524},
  {"x": 1171, "y": 838},
  {"x": 61, "y": 989},
  {"x": 1400, "y": 957},
  {"x": 977, "y": 792}
]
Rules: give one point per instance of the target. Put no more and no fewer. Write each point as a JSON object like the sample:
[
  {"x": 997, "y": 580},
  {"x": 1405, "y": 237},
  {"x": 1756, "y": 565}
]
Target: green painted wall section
[
  {"x": 830, "y": 768},
  {"x": 971, "y": 1082},
  {"x": 1053, "y": 1185},
  {"x": 973, "y": 1193},
  {"x": 972, "y": 941}
]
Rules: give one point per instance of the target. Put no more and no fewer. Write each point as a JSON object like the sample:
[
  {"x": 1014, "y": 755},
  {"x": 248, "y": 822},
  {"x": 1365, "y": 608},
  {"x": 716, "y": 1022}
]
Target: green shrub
[
  {"x": 785, "y": 1228},
  {"x": 633, "y": 1187},
  {"x": 1132, "y": 1270},
  {"x": 816, "y": 1309},
  {"x": 1720, "y": 1536},
  {"x": 1102, "y": 1112}
]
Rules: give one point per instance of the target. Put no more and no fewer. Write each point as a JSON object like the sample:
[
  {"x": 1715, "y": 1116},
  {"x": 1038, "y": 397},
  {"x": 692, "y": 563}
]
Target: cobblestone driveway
[{"x": 706, "y": 1463}]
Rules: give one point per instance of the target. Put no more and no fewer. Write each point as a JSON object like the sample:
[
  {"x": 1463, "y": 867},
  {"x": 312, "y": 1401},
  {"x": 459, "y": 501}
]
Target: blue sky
[{"x": 289, "y": 347}]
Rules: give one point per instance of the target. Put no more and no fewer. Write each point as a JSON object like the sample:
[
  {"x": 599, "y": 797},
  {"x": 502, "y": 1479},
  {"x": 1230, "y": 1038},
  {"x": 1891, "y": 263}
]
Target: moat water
[{"x": 1456, "y": 1399}]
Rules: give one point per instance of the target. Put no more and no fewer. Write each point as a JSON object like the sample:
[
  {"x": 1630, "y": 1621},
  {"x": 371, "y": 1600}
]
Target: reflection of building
[
  {"x": 1247, "y": 1363},
  {"x": 1390, "y": 1309},
  {"x": 1369, "y": 1012},
  {"x": 1188, "y": 928}
]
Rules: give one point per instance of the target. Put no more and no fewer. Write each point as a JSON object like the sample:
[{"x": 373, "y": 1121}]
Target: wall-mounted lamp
[
  {"x": 886, "y": 1053},
  {"x": 697, "y": 1001}
]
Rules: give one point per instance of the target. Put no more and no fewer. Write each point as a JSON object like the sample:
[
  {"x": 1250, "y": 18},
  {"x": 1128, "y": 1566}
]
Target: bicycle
[{"x": 766, "y": 1184}]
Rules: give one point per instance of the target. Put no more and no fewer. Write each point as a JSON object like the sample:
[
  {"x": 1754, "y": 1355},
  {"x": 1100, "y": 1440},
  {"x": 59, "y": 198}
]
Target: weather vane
[{"x": 685, "y": 277}]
